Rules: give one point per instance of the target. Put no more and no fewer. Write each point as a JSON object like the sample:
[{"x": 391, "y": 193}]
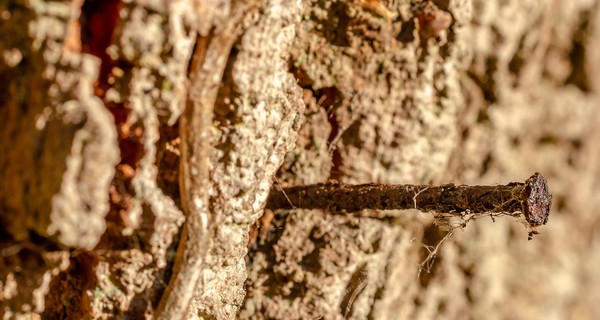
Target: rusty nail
[{"x": 531, "y": 198}]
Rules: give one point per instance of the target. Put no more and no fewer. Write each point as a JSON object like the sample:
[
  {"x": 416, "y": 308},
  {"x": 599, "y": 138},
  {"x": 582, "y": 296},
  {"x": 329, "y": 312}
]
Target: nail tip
[{"x": 538, "y": 200}]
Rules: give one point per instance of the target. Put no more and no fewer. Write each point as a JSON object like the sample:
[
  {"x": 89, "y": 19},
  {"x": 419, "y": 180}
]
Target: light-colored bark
[{"x": 507, "y": 90}]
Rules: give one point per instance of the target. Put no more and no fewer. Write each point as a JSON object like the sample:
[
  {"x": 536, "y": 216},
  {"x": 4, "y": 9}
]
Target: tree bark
[{"x": 94, "y": 140}]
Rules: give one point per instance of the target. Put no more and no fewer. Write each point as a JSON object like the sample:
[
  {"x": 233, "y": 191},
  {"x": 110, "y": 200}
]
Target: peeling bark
[{"x": 358, "y": 91}]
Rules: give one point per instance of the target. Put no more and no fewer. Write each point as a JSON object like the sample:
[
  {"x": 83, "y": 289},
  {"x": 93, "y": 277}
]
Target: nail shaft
[{"x": 530, "y": 198}]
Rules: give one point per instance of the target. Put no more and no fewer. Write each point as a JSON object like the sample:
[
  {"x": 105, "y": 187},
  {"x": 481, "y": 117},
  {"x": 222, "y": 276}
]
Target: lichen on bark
[{"x": 507, "y": 89}]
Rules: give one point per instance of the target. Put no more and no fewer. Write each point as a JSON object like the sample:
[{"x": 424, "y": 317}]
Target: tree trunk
[{"x": 102, "y": 103}]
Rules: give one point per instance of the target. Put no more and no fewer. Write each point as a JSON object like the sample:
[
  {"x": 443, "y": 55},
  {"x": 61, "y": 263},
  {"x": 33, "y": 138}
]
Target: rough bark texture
[
  {"x": 460, "y": 91},
  {"x": 482, "y": 107},
  {"x": 59, "y": 150}
]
